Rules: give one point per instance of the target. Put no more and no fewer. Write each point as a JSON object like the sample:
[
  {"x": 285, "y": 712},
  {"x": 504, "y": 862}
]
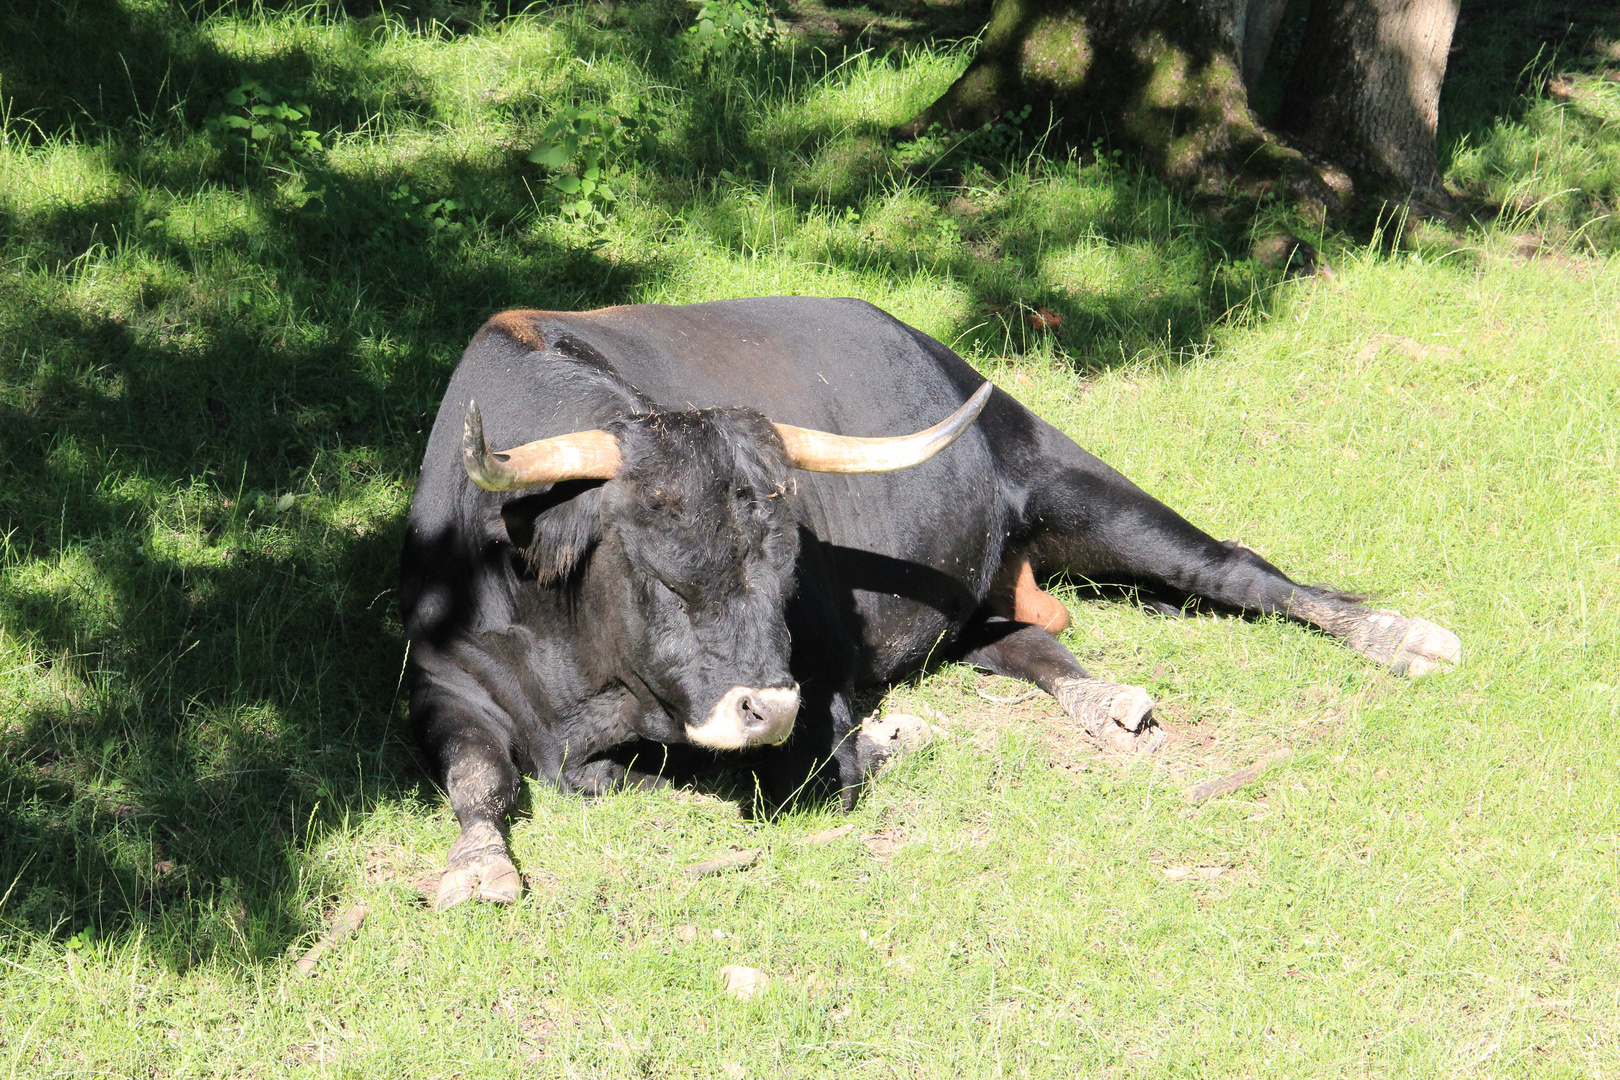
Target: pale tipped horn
[
  {"x": 822, "y": 451},
  {"x": 581, "y": 455}
]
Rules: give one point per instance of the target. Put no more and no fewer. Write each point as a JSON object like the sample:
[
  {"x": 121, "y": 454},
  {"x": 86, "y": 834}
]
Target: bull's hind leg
[
  {"x": 1092, "y": 523},
  {"x": 1116, "y": 716}
]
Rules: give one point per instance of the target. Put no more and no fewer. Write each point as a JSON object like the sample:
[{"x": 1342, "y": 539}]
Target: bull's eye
[{"x": 685, "y": 598}]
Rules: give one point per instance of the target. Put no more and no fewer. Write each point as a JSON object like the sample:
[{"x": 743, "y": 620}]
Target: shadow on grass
[
  {"x": 205, "y": 482},
  {"x": 1502, "y": 49},
  {"x": 102, "y": 69}
]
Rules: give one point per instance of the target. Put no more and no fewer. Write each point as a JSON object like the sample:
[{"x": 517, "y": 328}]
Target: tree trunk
[
  {"x": 1365, "y": 90},
  {"x": 1260, "y": 24},
  {"x": 1167, "y": 77}
]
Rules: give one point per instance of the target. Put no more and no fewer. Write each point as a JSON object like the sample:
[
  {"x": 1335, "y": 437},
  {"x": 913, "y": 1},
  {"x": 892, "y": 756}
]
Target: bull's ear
[{"x": 556, "y": 528}]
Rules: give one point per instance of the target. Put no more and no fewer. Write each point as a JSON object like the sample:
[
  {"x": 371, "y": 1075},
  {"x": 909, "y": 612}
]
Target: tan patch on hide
[
  {"x": 1034, "y": 606},
  {"x": 519, "y": 325}
]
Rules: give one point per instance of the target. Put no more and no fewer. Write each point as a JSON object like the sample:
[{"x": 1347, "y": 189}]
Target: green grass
[{"x": 215, "y": 378}]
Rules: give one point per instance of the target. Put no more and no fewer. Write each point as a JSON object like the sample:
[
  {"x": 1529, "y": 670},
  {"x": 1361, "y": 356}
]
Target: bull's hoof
[
  {"x": 479, "y": 869},
  {"x": 1410, "y": 647},
  {"x": 890, "y": 739},
  {"x": 1118, "y": 717}
]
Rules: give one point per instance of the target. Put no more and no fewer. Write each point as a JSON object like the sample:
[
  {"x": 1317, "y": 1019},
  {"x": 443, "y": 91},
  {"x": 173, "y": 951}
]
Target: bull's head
[{"x": 696, "y": 539}]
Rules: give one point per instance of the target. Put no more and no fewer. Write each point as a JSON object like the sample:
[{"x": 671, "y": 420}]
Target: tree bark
[
  {"x": 1365, "y": 90},
  {"x": 1172, "y": 78},
  {"x": 1168, "y": 77}
]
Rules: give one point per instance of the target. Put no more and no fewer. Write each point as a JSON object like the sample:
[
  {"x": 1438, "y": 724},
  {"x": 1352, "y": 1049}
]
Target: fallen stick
[
  {"x": 1225, "y": 785},
  {"x": 342, "y": 927},
  {"x": 826, "y": 836},
  {"x": 732, "y": 860}
]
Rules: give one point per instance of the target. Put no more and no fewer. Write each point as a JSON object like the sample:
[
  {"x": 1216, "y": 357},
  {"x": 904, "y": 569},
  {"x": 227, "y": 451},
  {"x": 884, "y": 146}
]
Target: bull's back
[{"x": 828, "y": 364}]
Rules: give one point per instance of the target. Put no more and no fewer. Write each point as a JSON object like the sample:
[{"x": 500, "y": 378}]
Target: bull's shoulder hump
[
  {"x": 536, "y": 329},
  {"x": 520, "y": 325}
]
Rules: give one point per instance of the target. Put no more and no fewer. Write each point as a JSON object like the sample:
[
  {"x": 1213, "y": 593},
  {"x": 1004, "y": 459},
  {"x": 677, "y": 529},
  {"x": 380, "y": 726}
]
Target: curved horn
[
  {"x": 582, "y": 455},
  {"x": 822, "y": 451}
]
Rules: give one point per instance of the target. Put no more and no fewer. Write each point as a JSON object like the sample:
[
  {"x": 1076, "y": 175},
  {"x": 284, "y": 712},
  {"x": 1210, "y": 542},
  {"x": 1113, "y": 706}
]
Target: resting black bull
[{"x": 686, "y": 543}]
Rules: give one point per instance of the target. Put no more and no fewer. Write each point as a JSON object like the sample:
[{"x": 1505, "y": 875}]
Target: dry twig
[
  {"x": 732, "y": 860},
  {"x": 342, "y": 927},
  {"x": 1225, "y": 785}
]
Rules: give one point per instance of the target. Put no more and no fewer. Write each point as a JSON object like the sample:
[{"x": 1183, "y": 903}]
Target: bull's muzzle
[{"x": 748, "y": 716}]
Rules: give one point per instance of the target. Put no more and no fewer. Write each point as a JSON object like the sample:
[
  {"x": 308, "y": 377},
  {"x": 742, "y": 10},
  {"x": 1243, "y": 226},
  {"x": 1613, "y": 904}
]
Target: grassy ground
[{"x": 219, "y": 350}]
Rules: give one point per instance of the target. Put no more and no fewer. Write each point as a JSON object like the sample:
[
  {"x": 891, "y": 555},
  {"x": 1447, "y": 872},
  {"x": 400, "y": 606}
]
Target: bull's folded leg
[
  {"x": 482, "y": 783},
  {"x": 897, "y": 735},
  {"x": 1119, "y": 717},
  {"x": 823, "y": 754},
  {"x": 1116, "y": 716},
  {"x": 480, "y": 868},
  {"x": 593, "y": 778}
]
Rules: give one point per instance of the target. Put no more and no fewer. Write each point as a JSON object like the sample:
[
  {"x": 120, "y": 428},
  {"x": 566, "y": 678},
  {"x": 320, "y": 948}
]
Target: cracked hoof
[
  {"x": 1410, "y": 647},
  {"x": 479, "y": 869},
  {"x": 1118, "y": 717},
  {"x": 890, "y": 739}
]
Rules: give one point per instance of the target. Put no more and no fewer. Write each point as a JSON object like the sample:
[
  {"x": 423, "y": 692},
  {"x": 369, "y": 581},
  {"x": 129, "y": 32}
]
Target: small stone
[
  {"x": 741, "y": 982},
  {"x": 1290, "y": 254}
]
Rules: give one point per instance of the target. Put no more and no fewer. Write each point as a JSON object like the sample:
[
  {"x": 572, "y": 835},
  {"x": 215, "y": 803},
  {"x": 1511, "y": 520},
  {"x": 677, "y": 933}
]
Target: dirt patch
[
  {"x": 394, "y": 863},
  {"x": 1202, "y": 741},
  {"x": 1528, "y": 248},
  {"x": 534, "y": 1022},
  {"x": 883, "y": 844},
  {"x": 1416, "y": 350}
]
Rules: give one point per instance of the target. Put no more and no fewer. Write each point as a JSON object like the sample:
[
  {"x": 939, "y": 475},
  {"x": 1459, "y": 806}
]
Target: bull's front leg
[
  {"x": 473, "y": 752},
  {"x": 482, "y": 783}
]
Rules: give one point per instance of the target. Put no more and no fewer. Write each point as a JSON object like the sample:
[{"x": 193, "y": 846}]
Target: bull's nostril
[{"x": 753, "y": 713}]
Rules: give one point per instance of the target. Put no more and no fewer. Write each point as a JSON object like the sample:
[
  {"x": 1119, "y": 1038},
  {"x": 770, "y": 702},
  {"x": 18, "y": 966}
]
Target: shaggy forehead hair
[{"x": 706, "y": 488}]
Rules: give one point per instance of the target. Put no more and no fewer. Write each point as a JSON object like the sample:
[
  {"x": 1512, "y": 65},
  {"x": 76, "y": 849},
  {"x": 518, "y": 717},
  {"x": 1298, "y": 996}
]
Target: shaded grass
[
  {"x": 1528, "y": 120},
  {"x": 215, "y": 385}
]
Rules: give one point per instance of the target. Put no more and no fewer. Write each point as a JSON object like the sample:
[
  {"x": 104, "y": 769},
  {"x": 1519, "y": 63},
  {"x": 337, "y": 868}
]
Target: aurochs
[{"x": 714, "y": 523}]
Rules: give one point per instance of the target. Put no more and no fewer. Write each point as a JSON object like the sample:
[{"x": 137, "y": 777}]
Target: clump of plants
[
  {"x": 726, "y": 26},
  {"x": 586, "y": 149},
  {"x": 259, "y": 123}
]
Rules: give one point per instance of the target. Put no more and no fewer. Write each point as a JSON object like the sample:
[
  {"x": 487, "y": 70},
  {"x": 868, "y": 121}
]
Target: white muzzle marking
[{"x": 748, "y": 716}]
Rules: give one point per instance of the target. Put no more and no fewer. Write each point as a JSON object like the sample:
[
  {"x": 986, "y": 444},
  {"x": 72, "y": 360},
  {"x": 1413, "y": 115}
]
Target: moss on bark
[{"x": 1164, "y": 77}]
